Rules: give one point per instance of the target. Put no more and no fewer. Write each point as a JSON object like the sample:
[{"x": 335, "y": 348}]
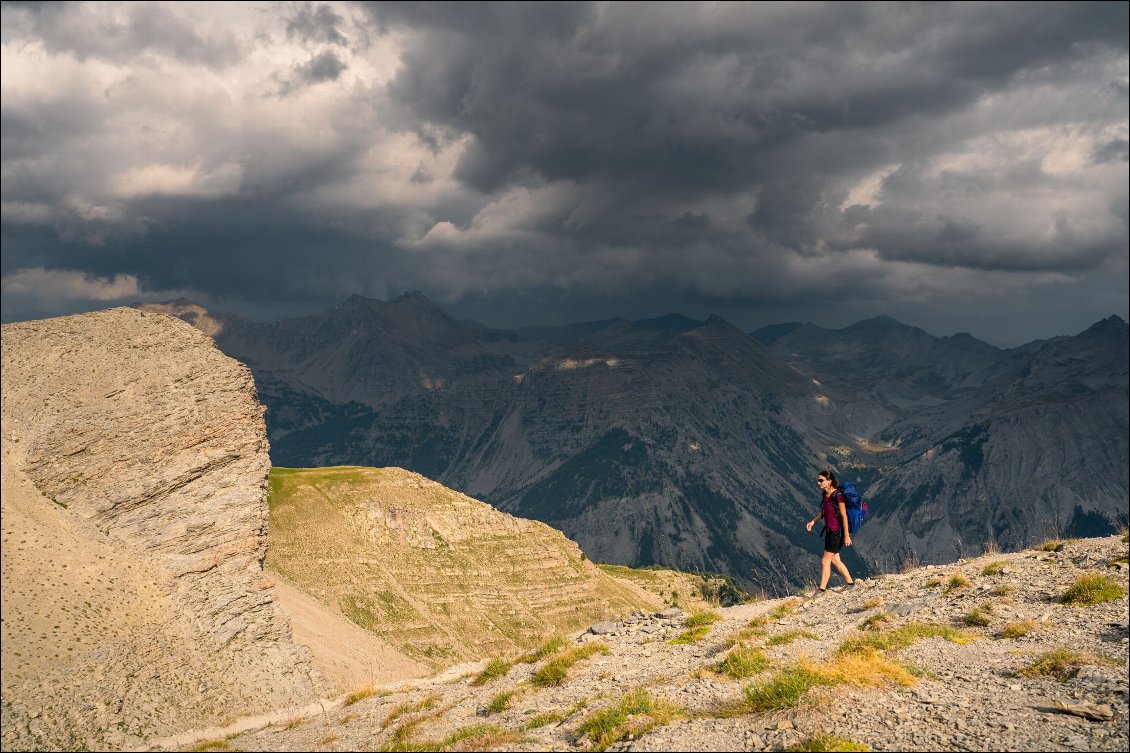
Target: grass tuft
[
  {"x": 495, "y": 668},
  {"x": 550, "y": 647},
  {"x": 903, "y": 637},
  {"x": 703, "y": 617},
  {"x": 785, "y": 688},
  {"x": 424, "y": 703},
  {"x": 634, "y": 714},
  {"x": 956, "y": 581},
  {"x": 694, "y": 635},
  {"x": 743, "y": 661},
  {"x": 219, "y": 744},
  {"x": 556, "y": 670},
  {"x": 993, "y": 568},
  {"x": 1003, "y": 590},
  {"x": 1062, "y": 664},
  {"x": 474, "y": 737},
  {"x": 1052, "y": 545},
  {"x": 541, "y": 720},
  {"x": 787, "y": 637},
  {"x": 824, "y": 742},
  {"x": 1092, "y": 589},
  {"x": 874, "y": 601},
  {"x": 360, "y": 694},
  {"x": 1019, "y": 629},
  {"x": 872, "y": 622},
  {"x": 978, "y": 617},
  {"x": 500, "y": 702}
]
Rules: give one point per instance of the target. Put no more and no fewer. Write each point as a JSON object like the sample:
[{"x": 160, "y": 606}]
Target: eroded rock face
[{"x": 151, "y": 443}]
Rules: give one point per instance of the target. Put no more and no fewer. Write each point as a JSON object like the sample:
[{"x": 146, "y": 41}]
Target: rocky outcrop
[{"x": 147, "y": 445}]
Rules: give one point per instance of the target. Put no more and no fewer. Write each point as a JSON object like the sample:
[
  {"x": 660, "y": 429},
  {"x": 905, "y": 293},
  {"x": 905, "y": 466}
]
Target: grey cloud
[
  {"x": 87, "y": 32},
  {"x": 325, "y": 66},
  {"x": 316, "y": 24}
]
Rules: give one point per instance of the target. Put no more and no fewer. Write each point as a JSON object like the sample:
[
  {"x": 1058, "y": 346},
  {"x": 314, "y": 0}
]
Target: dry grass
[
  {"x": 743, "y": 661},
  {"x": 1019, "y": 629},
  {"x": 550, "y": 647},
  {"x": 423, "y": 704},
  {"x": 694, "y": 635},
  {"x": 903, "y": 637},
  {"x": 634, "y": 714},
  {"x": 873, "y": 622},
  {"x": 556, "y": 670},
  {"x": 541, "y": 720},
  {"x": 1062, "y": 664},
  {"x": 874, "y": 601},
  {"x": 955, "y": 582},
  {"x": 978, "y": 617},
  {"x": 359, "y": 695},
  {"x": 787, "y": 637},
  {"x": 1052, "y": 545},
  {"x": 495, "y": 668},
  {"x": 1094, "y": 588},
  {"x": 702, "y": 618},
  {"x": 1001, "y": 590},
  {"x": 294, "y": 722},
  {"x": 474, "y": 737},
  {"x": 993, "y": 568},
  {"x": 824, "y": 742},
  {"x": 785, "y": 688},
  {"x": 217, "y": 744}
]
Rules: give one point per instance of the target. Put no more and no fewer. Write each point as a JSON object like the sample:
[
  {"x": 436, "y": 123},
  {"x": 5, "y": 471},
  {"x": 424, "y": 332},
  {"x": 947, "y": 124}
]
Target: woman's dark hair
[{"x": 831, "y": 477}]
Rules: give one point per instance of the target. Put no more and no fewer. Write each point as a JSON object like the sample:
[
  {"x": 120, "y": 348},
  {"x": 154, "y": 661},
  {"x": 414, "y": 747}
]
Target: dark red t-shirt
[{"x": 832, "y": 510}]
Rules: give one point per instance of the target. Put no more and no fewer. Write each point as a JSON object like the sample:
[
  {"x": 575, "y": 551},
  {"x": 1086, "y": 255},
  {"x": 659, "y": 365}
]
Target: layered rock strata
[{"x": 135, "y": 469}]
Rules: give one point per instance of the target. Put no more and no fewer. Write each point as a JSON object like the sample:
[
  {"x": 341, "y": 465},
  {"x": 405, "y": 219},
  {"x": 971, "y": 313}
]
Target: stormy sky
[{"x": 960, "y": 167}]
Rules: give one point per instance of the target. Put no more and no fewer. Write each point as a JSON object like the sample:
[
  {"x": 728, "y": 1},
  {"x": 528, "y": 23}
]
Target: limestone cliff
[{"x": 134, "y": 600}]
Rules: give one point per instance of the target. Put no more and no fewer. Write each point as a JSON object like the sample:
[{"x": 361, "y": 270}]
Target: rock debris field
[{"x": 982, "y": 654}]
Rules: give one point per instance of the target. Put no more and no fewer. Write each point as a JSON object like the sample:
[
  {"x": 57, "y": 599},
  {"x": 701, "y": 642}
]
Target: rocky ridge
[
  {"x": 961, "y": 696},
  {"x": 135, "y": 461}
]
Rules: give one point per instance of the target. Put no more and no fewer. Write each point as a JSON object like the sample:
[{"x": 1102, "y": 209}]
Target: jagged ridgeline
[{"x": 438, "y": 575}]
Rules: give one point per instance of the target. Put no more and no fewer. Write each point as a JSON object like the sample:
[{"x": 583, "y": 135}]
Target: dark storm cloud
[{"x": 747, "y": 154}]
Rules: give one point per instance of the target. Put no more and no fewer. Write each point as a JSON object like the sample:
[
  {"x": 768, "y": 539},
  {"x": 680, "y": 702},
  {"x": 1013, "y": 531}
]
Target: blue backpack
[{"x": 856, "y": 507}]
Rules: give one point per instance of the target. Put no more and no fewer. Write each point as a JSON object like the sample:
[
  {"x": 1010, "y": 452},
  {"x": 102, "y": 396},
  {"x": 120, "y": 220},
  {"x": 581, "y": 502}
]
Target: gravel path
[{"x": 966, "y": 697}]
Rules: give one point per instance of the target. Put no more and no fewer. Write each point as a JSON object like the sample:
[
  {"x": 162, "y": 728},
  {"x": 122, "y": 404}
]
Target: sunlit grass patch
[
  {"x": 222, "y": 743},
  {"x": 785, "y": 688},
  {"x": 474, "y": 737},
  {"x": 360, "y": 694},
  {"x": 956, "y": 581},
  {"x": 494, "y": 669},
  {"x": 873, "y": 622},
  {"x": 993, "y": 568},
  {"x": 824, "y": 742},
  {"x": 1123, "y": 560},
  {"x": 500, "y": 702},
  {"x": 549, "y": 717},
  {"x": 746, "y": 634},
  {"x": 694, "y": 635},
  {"x": 550, "y": 647},
  {"x": 1094, "y": 588},
  {"x": 634, "y": 714},
  {"x": 1052, "y": 545},
  {"x": 555, "y": 671},
  {"x": 978, "y": 617},
  {"x": 1062, "y": 664},
  {"x": 1003, "y": 590},
  {"x": 903, "y": 637},
  {"x": 874, "y": 601},
  {"x": 743, "y": 661},
  {"x": 1019, "y": 629},
  {"x": 781, "y": 639},
  {"x": 703, "y": 617},
  {"x": 400, "y": 710},
  {"x": 785, "y": 609}
]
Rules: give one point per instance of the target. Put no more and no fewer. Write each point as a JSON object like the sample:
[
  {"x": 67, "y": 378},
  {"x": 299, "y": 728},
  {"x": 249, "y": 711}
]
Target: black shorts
[{"x": 833, "y": 541}]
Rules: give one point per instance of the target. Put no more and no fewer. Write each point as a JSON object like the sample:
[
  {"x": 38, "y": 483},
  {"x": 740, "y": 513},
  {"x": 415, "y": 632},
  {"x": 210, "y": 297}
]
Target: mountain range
[{"x": 692, "y": 444}]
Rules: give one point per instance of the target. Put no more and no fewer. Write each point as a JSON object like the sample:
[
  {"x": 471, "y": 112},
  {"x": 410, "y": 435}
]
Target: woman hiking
[{"x": 833, "y": 509}]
